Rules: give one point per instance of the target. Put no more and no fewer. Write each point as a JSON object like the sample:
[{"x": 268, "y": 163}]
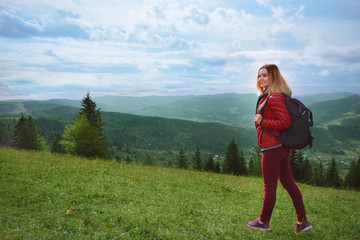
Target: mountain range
[{"x": 210, "y": 121}]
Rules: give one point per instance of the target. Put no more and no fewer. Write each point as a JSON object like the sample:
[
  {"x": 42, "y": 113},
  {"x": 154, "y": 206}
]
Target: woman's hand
[{"x": 258, "y": 118}]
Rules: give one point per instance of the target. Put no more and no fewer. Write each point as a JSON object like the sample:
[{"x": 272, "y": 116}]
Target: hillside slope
[
  {"x": 147, "y": 132},
  {"x": 336, "y": 122},
  {"x": 45, "y": 196}
]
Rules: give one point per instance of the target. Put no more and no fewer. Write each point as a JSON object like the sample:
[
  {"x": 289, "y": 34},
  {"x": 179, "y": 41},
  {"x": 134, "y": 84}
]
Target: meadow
[{"x": 54, "y": 196}]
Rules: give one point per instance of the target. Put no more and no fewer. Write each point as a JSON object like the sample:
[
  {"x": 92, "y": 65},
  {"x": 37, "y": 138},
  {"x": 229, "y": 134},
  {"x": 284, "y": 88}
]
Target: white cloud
[
  {"x": 168, "y": 46},
  {"x": 324, "y": 73},
  {"x": 264, "y": 2}
]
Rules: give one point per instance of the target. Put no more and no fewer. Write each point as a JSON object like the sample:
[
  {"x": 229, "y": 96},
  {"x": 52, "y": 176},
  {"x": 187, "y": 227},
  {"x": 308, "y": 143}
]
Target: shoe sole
[
  {"x": 304, "y": 230},
  {"x": 262, "y": 229}
]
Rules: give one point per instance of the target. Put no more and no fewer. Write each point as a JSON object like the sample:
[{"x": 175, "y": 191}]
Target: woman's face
[{"x": 263, "y": 78}]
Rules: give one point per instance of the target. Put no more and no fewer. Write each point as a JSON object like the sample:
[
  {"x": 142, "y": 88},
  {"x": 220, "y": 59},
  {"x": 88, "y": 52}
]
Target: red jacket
[{"x": 275, "y": 117}]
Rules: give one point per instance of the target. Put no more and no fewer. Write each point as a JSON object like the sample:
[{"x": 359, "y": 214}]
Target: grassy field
[{"x": 45, "y": 196}]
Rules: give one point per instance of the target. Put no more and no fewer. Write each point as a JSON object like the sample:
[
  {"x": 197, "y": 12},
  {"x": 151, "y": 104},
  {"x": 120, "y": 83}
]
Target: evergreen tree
[
  {"x": 322, "y": 174},
  {"x": 234, "y": 163},
  {"x": 217, "y": 168},
  {"x": 243, "y": 169},
  {"x": 86, "y": 137},
  {"x": 256, "y": 158},
  {"x": 307, "y": 171},
  {"x": 92, "y": 114},
  {"x": 128, "y": 159},
  {"x": 83, "y": 139},
  {"x": 182, "y": 159},
  {"x": 26, "y": 135},
  {"x": 169, "y": 165},
  {"x": 357, "y": 175},
  {"x": 252, "y": 167},
  {"x": 332, "y": 175},
  {"x": 147, "y": 161},
  {"x": 57, "y": 147},
  {"x": 352, "y": 178},
  {"x": 210, "y": 164},
  {"x": 197, "y": 163},
  {"x": 319, "y": 176},
  {"x": 20, "y": 139}
]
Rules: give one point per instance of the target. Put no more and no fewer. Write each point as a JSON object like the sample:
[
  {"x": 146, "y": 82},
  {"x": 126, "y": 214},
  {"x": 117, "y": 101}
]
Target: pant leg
[
  {"x": 289, "y": 184},
  {"x": 270, "y": 165}
]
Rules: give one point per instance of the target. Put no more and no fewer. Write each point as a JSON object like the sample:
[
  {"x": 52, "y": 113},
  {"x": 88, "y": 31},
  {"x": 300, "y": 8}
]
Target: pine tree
[
  {"x": 256, "y": 157},
  {"x": 210, "y": 164},
  {"x": 20, "y": 138},
  {"x": 332, "y": 175},
  {"x": 57, "y": 147},
  {"x": 92, "y": 114},
  {"x": 197, "y": 163},
  {"x": 169, "y": 165},
  {"x": 252, "y": 167},
  {"x": 182, "y": 159},
  {"x": 234, "y": 163},
  {"x": 86, "y": 137},
  {"x": 26, "y": 135},
  {"x": 307, "y": 171},
  {"x": 217, "y": 168},
  {"x": 357, "y": 175},
  {"x": 352, "y": 178},
  {"x": 243, "y": 169},
  {"x": 319, "y": 176},
  {"x": 147, "y": 161},
  {"x": 128, "y": 159}
]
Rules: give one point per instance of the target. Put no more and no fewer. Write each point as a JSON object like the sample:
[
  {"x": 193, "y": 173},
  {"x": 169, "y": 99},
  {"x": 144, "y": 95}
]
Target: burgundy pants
[{"x": 275, "y": 165}]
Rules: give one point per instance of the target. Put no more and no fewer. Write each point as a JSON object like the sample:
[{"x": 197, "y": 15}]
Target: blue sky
[{"x": 63, "y": 49}]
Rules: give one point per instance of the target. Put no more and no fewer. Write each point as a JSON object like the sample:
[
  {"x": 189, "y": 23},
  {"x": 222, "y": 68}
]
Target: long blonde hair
[{"x": 277, "y": 83}]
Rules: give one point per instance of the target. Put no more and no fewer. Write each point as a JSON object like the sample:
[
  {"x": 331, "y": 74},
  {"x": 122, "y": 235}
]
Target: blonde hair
[{"x": 277, "y": 83}]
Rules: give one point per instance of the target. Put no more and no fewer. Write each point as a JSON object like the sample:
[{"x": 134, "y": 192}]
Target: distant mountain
[
  {"x": 230, "y": 109},
  {"x": 214, "y": 120},
  {"x": 336, "y": 110},
  {"x": 29, "y": 106},
  {"x": 323, "y": 97},
  {"x": 153, "y": 133}
]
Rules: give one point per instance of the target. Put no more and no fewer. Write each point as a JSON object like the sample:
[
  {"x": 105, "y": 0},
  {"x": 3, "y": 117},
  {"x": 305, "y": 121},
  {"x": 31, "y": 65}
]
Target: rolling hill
[
  {"x": 146, "y": 132},
  {"x": 215, "y": 119}
]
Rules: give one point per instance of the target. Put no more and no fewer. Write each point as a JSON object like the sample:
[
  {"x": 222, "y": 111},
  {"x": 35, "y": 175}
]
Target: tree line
[
  {"x": 86, "y": 138},
  {"x": 302, "y": 170}
]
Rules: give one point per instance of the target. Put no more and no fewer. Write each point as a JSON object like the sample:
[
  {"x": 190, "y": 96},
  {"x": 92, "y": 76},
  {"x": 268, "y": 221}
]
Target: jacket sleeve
[{"x": 282, "y": 120}]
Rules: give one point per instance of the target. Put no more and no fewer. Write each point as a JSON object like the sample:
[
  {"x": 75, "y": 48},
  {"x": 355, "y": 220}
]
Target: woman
[{"x": 275, "y": 164}]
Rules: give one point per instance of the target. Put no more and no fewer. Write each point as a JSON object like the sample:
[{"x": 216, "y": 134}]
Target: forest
[{"x": 162, "y": 141}]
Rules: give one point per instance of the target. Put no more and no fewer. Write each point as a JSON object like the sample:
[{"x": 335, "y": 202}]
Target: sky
[{"x": 64, "y": 49}]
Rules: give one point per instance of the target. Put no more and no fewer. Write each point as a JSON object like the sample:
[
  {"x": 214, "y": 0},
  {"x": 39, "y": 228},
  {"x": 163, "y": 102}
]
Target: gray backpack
[{"x": 298, "y": 135}]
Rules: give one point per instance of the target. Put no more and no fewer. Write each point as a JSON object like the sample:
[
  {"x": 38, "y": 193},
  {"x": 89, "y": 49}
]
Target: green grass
[{"x": 118, "y": 201}]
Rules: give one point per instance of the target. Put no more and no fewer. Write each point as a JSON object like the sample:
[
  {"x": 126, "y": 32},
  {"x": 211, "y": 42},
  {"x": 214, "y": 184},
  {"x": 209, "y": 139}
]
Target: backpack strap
[
  {"x": 262, "y": 105},
  {"x": 260, "y": 111}
]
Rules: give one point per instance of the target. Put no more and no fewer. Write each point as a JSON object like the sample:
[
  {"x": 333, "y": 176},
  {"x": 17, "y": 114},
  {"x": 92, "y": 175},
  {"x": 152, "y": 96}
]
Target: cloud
[
  {"x": 70, "y": 14},
  {"x": 173, "y": 47},
  {"x": 324, "y": 73},
  {"x": 196, "y": 15},
  {"x": 13, "y": 26},
  {"x": 264, "y": 2},
  {"x": 50, "y": 53}
]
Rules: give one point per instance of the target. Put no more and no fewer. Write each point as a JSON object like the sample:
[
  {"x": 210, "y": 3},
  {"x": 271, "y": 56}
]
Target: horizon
[
  {"x": 61, "y": 50},
  {"x": 179, "y": 96}
]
